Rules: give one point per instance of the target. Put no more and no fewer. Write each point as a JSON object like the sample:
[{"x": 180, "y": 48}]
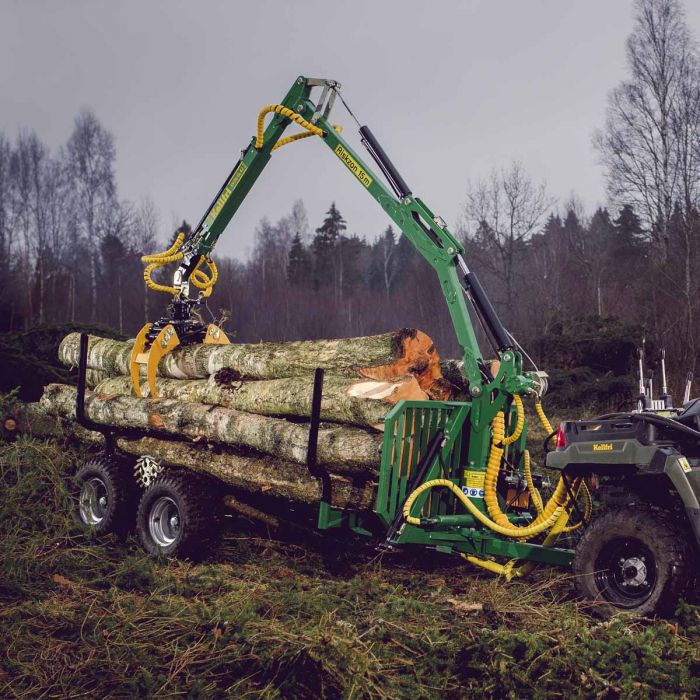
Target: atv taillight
[{"x": 561, "y": 438}]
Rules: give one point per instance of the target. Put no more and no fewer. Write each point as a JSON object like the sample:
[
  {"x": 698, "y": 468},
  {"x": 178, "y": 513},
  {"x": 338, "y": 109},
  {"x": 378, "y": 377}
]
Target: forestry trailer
[{"x": 455, "y": 476}]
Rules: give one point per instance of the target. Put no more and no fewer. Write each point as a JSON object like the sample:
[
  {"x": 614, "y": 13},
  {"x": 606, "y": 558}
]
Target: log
[
  {"x": 398, "y": 353},
  {"x": 250, "y": 473},
  {"x": 346, "y": 448},
  {"x": 364, "y": 403}
]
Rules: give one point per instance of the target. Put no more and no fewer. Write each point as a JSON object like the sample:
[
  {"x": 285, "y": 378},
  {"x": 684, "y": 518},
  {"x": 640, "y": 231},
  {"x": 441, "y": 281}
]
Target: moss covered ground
[{"x": 295, "y": 614}]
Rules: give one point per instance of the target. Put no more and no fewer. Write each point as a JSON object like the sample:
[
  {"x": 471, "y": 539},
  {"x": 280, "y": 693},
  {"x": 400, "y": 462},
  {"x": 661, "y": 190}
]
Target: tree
[
  {"x": 385, "y": 260},
  {"x": 502, "y": 213},
  {"x": 299, "y": 266},
  {"x": 649, "y": 142},
  {"x": 649, "y": 147},
  {"x": 327, "y": 251},
  {"x": 91, "y": 154}
]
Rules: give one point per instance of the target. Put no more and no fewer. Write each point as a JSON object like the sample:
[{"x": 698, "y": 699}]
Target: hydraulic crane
[{"x": 456, "y": 447}]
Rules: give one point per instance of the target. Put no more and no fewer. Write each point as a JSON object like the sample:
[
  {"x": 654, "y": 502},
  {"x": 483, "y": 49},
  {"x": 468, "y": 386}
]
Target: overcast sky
[{"x": 452, "y": 89}]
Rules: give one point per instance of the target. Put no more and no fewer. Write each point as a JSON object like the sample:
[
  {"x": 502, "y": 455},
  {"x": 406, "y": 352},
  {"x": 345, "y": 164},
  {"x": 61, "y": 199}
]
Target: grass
[{"x": 295, "y": 615}]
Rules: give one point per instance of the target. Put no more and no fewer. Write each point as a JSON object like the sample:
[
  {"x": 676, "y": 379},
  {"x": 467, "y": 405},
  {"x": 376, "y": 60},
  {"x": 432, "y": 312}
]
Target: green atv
[{"x": 640, "y": 554}]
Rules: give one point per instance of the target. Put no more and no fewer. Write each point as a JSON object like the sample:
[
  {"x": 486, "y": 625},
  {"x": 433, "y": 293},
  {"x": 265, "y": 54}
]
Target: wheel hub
[
  {"x": 634, "y": 571},
  {"x": 164, "y": 521},
  {"x": 626, "y": 571},
  {"x": 93, "y": 501}
]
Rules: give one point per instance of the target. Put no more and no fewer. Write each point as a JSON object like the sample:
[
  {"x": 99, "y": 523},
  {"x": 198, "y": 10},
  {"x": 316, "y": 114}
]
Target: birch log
[
  {"x": 257, "y": 474},
  {"x": 398, "y": 353},
  {"x": 347, "y": 449},
  {"x": 364, "y": 403}
]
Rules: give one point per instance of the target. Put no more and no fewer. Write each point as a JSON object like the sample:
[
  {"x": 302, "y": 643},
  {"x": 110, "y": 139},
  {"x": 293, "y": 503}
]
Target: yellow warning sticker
[
  {"x": 353, "y": 166},
  {"x": 685, "y": 466},
  {"x": 474, "y": 484}
]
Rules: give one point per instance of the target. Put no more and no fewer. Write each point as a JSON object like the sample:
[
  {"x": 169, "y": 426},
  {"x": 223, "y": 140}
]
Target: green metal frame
[{"x": 466, "y": 424}]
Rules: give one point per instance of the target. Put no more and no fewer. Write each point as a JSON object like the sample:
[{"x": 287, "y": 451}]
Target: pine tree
[
  {"x": 299, "y": 270},
  {"x": 327, "y": 251}
]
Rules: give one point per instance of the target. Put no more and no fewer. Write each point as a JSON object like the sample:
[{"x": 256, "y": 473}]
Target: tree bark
[
  {"x": 346, "y": 449},
  {"x": 364, "y": 403},
  {"x": 257, "y": 474},
  {"x": 394, "y": 354}
]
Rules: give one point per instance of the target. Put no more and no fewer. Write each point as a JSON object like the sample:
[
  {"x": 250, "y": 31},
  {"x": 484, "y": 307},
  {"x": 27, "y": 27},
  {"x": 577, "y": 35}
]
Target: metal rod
[
  {"x": 688, "y": 382},
  {"x": 312, "y": 447},
  {"x": 80, "y": 396},
  {"x": 640, "y": 357},
  {"x": 664, "y": 388}
]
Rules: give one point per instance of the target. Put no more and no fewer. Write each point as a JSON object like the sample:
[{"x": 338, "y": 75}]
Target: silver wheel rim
[
  {"x": 93, "y": 501},
  {"x": 164, "y": 521}
]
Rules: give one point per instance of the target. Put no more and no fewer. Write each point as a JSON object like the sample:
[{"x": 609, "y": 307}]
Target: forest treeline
[{"x": 70, "y": 247}]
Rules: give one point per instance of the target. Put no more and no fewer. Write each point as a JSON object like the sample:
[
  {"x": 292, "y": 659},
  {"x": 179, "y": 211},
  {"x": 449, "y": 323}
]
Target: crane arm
[{"x": 427, "y": 232}]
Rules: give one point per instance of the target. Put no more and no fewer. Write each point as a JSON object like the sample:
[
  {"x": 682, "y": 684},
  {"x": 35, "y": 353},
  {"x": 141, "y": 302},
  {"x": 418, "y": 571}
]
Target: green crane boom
[{"x": 428, "y": 233}]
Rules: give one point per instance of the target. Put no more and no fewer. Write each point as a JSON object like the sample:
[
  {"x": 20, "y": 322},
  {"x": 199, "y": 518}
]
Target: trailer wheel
[
  {"x": 175, "y": 518},
  {"x": 634, "y": 559},
  {"x": 106, "y": 496}
]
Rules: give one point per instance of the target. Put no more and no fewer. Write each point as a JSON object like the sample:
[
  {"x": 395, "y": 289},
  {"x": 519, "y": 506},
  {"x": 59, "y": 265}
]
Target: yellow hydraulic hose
[
  {"x": 157, "y": 260},
  {"x": 198, "y": 277},
  {"x": 588, "y": 499},
  {"x": 534, "y": 493},
  {"x": 543, "y": 418},
  {"x": 170, "y": 254},
  {"x": 285, "y": 112},
  {"x": 509, "y": 531},
  {"x": 548, "y": 515},
  {"x": 509, "y": 570},
  {"x": 519, "y": 423},
  {"x": 299, "y": 136}
]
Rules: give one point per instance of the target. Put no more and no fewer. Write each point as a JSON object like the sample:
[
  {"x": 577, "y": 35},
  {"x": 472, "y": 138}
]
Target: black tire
[
  {"x": 106, "y": 496},
  {"x": 176, "y": 516},
  {"x": 633, "y": 559}
]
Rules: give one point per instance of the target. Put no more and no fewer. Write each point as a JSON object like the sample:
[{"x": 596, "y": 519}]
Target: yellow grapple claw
[
  {"x": 215, "y": 336},
  {"x": 136, "y": 351},
  {"x": 163, "y": 343}
]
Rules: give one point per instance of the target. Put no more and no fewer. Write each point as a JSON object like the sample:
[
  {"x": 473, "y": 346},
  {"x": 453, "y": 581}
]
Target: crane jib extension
[{"x": 442, "y": 462}]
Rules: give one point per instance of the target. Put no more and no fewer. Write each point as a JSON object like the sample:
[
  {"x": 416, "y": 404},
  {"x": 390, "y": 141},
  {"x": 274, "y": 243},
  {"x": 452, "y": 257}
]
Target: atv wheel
[
  {"x": 106, "y": 496},
  {"x": 634, "y": 559},
  {"x": 175, "y": 518}
]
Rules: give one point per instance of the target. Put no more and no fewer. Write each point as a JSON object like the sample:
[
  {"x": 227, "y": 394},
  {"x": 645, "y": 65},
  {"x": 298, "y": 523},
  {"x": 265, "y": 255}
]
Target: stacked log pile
[{"x": 240, "y": 412}]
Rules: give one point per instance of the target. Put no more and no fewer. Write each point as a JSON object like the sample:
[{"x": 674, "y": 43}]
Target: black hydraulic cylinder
[
  {"x": 384, "y": 162},
  {"x": 488, "y": 313}
]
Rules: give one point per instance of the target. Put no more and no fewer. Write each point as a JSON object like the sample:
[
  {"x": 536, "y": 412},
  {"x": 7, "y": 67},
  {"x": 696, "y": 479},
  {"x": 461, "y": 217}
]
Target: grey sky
[{"x": 450, "y": 88}]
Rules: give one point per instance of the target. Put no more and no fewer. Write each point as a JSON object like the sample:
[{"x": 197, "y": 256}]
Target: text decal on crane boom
[
  {"x": 353, "y": 166},
  {"x": 223, "y": 197}
]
